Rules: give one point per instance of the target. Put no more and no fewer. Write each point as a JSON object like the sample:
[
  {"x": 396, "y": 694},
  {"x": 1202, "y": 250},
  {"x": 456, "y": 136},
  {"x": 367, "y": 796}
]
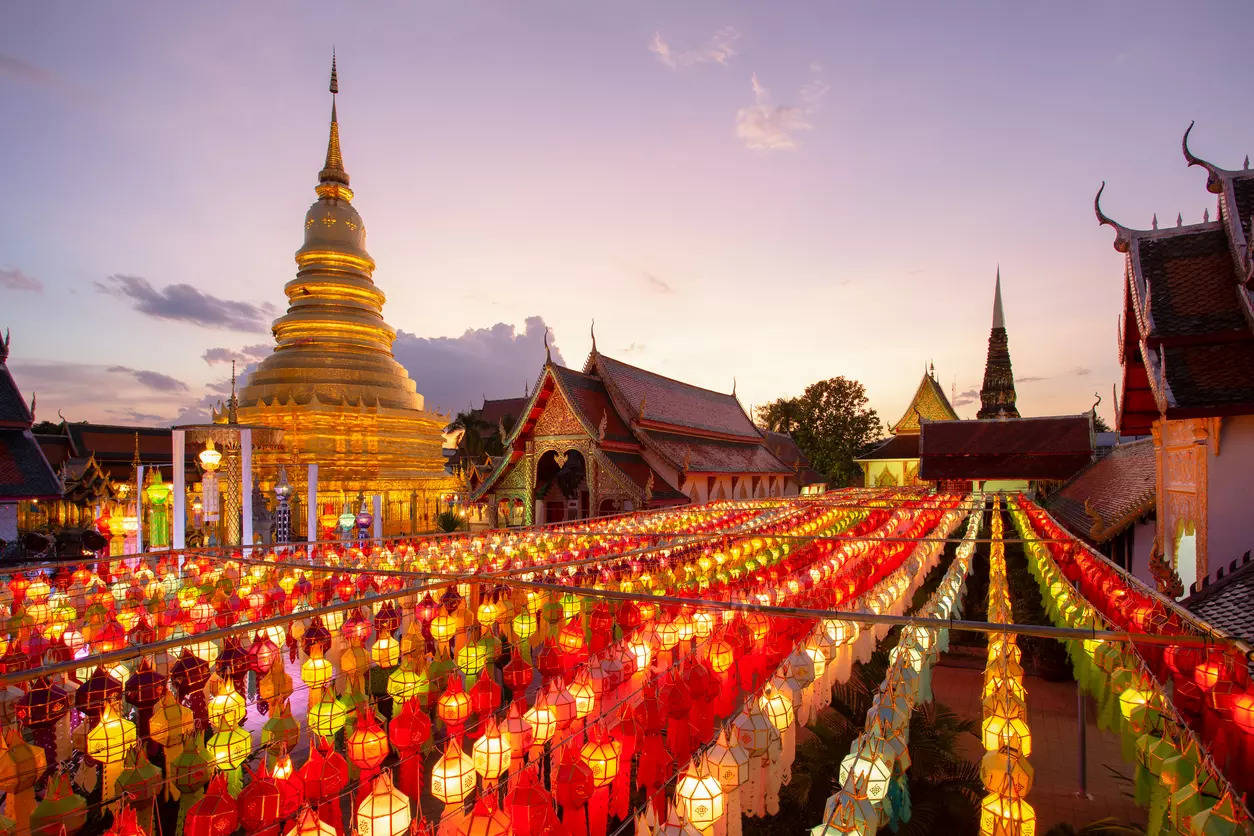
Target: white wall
[
  {"x": 1142, "y": 545},
  {"x": 1230, "y": 475}
]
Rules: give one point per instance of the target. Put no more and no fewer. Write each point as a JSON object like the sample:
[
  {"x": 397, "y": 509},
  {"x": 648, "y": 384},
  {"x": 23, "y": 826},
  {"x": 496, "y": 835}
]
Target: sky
[{"x": 765, "y": 193}]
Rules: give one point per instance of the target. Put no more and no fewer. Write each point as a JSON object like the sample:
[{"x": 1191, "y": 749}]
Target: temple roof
[
  {"x": 896, "y": 447},
  {"x": 1006, "y": 448},
  {"x": 1109, "y": 495},
  {"x": 929, "y": 401},
  {"x": 24, "y": 472},
  {"x": 700, "y": 455},
  {"x": 589, "y": 397},
  {"x": 784, "y": 447},
  {"x": 649, "y": 397},
  {"x": 495, "y": 410},
  {"x": 1224, "y": 600},
  {"x": 1187, "y": 333}
]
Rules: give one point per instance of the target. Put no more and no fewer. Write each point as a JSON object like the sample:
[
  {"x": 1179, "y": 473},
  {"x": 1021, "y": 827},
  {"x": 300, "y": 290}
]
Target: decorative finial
[
  {"x": 1246, "y": 165},
  {"x": 4, "y": 347},
  {"x": 999, "y": 318},
  {"x": 1123, "y": 236},
  {"x": 548, "y": 356},
  {"x": 1096, "y": 403},
  {"x": 1206, "y": 216},
  {"x": 1154, "y": 221},
  {"x": 1214, "y": 184},
  {"x": 593, "y": 330},
  {"x": 34, "y": 398},
  {"x": 232, "y": 405},
  {"x": 733, "y": 386},
  {"x": 135, "y": 455},
  {"x": 1179, "y": 219},
  {"x": 333, "y": 169}
]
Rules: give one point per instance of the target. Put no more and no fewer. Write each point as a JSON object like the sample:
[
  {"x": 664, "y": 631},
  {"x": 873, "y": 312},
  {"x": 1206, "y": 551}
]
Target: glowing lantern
[
  {"x": 489, "y": 613},
  {"x": 542, "y": 720},
  {"x": 1000, "y": 729},
  {"x": 367, "y": 746},
  {"x": 404, "y": 683},
  {"x": 112, "y": 738},
  {"x": 308, "y": 824},
  {"x": 453, "y": 706},
  {"x": 701, "y": 798},
  {"x": 721, "y": 656},
  {"x": 643, "y": 653},
  {"x": 471, "y": 658},
  {"x": 583, "y": 692},
  {"x": 867, "y": 763},
  {"x": 570, "y": 638},
  {"x": 230, "y": 748},
  {"x": 491, "y": 752},
  {"x": 777, "y": 708},
  {"x": 316, "y": 672},
  {"x": 443, "y": 627},
  {"x": 453, "y": 776},
  {"x": 524, "y": 625},
  {"x": 1003, "y": 814},
  {"x": 227, "y": 708},
  {"x": 385, "y": 652},
  {"x": 328, "y": 717},
  {"x": 385, "y": 812},
  {"x": 602, "y": 754}
]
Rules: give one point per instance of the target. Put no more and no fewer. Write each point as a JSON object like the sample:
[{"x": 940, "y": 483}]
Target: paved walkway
[{"x": 1055, "y": 743}]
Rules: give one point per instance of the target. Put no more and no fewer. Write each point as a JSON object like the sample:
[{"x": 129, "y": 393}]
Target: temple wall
[
  {"x": 1229, "y": 532},
  {"x": 1142, "y": 545}
]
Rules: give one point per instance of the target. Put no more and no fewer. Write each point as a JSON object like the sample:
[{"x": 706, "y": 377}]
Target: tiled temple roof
[
  {"x": 24, "y": 471},
  {"x": 1006, "y": 448},
  {"x": 648, "y": 396},
  {"x": 1110, "y": 494},
  {"x": 897, "y": 447},
  {"x": 1225, "y": 600}
]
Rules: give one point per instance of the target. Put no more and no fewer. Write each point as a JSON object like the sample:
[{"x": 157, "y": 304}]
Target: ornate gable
[
  {"x": 558, "y": 419},
  {"x": 929, "y": 402}
]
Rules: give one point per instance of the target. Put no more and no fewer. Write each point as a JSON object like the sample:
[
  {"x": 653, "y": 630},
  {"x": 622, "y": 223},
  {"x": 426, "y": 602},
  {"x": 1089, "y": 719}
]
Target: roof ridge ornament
[
  {"x": 1123, "y": 235},
  {"x": 1214, "y": 181},
  {"x": 593, "y": 331},
  {"x": 548, "y": 356}
]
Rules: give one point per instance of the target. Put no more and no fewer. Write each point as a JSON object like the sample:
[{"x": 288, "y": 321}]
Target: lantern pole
[
  {"x": 178, "y": 443},
  {"x": 1083, "y": 747}
]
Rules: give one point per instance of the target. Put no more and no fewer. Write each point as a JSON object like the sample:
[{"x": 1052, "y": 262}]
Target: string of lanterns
[{"x": 1179, "y": 782}]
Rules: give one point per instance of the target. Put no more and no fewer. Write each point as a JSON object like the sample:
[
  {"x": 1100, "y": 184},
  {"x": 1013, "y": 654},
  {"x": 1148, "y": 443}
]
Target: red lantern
[
  {"x": 260, "y": 803},
  {"x": 214, "y": 815}
]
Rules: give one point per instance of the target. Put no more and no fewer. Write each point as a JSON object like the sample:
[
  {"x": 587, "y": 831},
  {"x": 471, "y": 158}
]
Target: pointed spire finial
[
  {"x": 1206, "y": 216},
  {"x": 335, "y": 84},
  {"x": 1154, "y": 222},
  {"x": 999, "y": 318},
  {"x": 1246, "y": 164},
  {"x": 232, "y": 405},
  {"x": 1179, "y": 219},
  {"x": 333, "y": 169}
]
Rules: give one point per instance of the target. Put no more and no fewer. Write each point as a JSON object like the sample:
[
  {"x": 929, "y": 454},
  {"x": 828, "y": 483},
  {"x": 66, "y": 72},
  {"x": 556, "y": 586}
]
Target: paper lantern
[
  {"x": 443, "y": 628},
  {"x": 60, "y": 811},
  {"x": 602, "y": 754},
  {"x": 471, "y": 658},
  {"x": 777, "y": 707},
  {"x": 491, "y": 752},
  {"x": 1001, "y": 814},
  {"x": 453, "y": 776},
  {"x": 700, "y": 798},
  {"x": 998, "y": 730},
  {"x": 111, "y": 738},
  {"x": 229, "y": 748},
  {"x": 524, "y": 625},
  {"x": 316, "y": 672},
  {"x": 867, "y": 763},
  {"x": 227, "y": 709},
  {"x": 385, "y": 652},
  {"x": 308, "y": 824},
  {"x": 367, "y": 746},
  {"x": 327, "y": 717},
  {"x": 215, "y": 814},
  {"x": 453, "y": 706},
  {"x": 404, "y": 683},
  {"x": 583, "y": 692},
  {"x": 385, "y": 811},
  {"x": 530, "y": 806},
  {"x": 721, "y": 656}
]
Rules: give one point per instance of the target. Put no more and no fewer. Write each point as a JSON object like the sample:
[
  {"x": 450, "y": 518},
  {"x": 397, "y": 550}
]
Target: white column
[
  {"x": 179, "y": 497},
  {"x": 246, "y": 486},
  {"x": 139, "y": 509},
  {"x": 377, "y": 502},
  {"x": 311, "y": 504}
]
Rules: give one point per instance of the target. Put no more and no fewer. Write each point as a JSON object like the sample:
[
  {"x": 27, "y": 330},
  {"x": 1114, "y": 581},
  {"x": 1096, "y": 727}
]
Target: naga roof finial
[
  {"x": 1214, "y": 183},
  {"x": 1123, "y": 237},
  {"x": 593, "y": 331},
  {"x": 548, "y": 356},
  {"x": 733, "y": 386}
]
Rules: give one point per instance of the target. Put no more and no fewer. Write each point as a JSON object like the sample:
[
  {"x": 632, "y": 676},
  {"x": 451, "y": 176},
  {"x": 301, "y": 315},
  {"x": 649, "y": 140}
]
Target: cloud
[
  {"x": 247, "y": 354},
  {"x": 656, "y": 284},
  {"x": 1081, "y": 371},
  {"x": 15, "y": 279},
  {"x": 634, "y": 348},
  {"x": 24, "y": 72},
  {"x": 184, "y": 303},
  {"x": 968, "y": 397},
  {"x": 1031, "y": 379},
  {"x": 764, "y": 126},
  {"x": 719, "y": 49},
  {"x": 153, "y": 380},
  {"x": 456, "y": 372}
]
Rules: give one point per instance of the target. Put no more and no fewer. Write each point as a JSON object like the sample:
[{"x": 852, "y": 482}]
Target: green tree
[
  {"x": 1100, "y": 425},
  {"x": 830, "y": 422}
]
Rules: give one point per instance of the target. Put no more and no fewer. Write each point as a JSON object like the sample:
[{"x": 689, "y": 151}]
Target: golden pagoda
[{"x": 332, "y": 384}]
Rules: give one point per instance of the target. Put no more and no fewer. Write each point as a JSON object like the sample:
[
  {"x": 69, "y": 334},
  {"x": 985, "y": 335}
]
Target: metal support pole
[
  {"x": 311, "y": 504},
  {"x": 1081, "y": 707},
  {"x": 179, "y": 496}
]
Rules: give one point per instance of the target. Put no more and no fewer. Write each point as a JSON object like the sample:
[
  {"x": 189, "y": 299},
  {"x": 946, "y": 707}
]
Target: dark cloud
[
  {"x": 153, "y": 380},
  {"x": 184, "y": 303},
  {"x": 1031, "y": 379},
  {"x": 656, "y": 284},
  {"x": 15, "y": 279},
  {"x": 968, "y": 397},
  {"x": 456, "y": 372},
  {"x": 247, "y": 354}
]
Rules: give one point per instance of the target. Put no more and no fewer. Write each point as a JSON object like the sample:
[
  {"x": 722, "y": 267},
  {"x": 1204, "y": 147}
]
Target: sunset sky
[{"x": 772, "y": 192}]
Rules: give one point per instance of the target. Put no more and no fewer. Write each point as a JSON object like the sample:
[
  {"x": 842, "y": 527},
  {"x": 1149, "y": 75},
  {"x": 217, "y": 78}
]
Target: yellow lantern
[
  {"x": 316, "y": 672},
  {"x": 308, "y": 824},
  {"x": 701, "y": 798},
  {"x": 227, "y": 708},
  {"x": 583, "y": 692},
  {"x": 602, "y": 753},
  {"x": 1000, "y": 730},
  {"x": 542, "y": 719},
  {"x": 777, "y": 707},
  {"x": 524, "y": 625},
  {"x": 443, "y": 627},
  {"x": 385, "y": 812},
  {"x": 489, "y": 613},
  {"x": 112, "y": 738},
  {"x": 471, "y": 658},
  {"x": 491, "y": 752},
  {"x": 385, "y": 652},
  {"x": 1003, "y": 815},
  {"x": 230, "y": 748},
  {"x": 404, "y": 683},
  {"x": 327, "y": 717},
  {"x": 453, "y": 776}
]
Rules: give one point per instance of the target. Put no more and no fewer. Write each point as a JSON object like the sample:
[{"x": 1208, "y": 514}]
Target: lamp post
[{"x": 283, "y": 511}]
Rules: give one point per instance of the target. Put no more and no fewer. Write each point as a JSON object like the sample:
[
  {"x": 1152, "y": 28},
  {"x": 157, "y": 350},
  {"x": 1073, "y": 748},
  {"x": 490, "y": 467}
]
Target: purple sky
[{"x": 775, "y": 192}]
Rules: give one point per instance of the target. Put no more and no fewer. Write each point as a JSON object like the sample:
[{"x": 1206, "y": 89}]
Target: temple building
[
  {"x": 25, "y": 475},
  {"x": 332, "y": 385},
  {"x": 1033, "y": 455},
  {"x": 1186, "y": 346},
  {"x": 896, "y": 461},
  {"x": 614, "y": 438},
  {"x": 997, "y": 394}
]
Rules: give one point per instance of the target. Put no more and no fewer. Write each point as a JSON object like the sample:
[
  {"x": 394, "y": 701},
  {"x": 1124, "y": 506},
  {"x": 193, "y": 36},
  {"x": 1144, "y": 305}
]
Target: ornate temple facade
[
  {"x": 1186, "y": 345},
  {"x": 332, "y": 384},
  {"x": 997, "y": 394},
  {"x": 614, "y": 438},
  {"x": 896, "y": 461}
]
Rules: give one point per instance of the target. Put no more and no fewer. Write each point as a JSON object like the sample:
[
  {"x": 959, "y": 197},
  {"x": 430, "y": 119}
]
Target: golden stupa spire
[{"x": 333, "y": 169}]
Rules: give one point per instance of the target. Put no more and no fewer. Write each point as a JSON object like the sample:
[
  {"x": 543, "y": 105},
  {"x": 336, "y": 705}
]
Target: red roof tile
[
  {"x": 1109, "y": 495},
  {"x": 713, "y": 456},
  {"x": 897, "y": 447},
  {"x": 1010, "y": 448},
  {"x": 672, "y": 402}
]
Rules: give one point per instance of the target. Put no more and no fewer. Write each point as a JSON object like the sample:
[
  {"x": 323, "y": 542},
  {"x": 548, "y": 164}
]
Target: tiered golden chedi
[{"x": 332, "y": 384}]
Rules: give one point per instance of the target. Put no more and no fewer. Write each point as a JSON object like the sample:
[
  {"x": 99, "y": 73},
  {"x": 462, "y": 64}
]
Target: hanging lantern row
[
  {"x": 872, "y": 775},
  {"x": 1178, "y": 778},
  {"x": 1004, "y": 768}
]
